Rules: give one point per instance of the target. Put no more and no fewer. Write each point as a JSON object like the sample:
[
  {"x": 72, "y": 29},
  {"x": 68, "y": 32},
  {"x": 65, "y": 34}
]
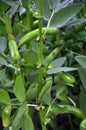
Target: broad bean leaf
[
  {"x": 32, "y": 91},
  {"x": 60, "y": 18},
  {"x": 30, "y": 57},
  {"x": 3, "y": 61},
  {"x": 4, "y": 97},
  {"x": 27, "y": 122},
  {"x": 6, "y": 116},
  {"x": 19, "y": 89},
  {"x": 60, "y": 69},
  {"x": 12, "y": 10},
  {"x": 81, "y": 60},
  {"x": 20, "y": 113},
  {"x": 82, "y": 74},
  {"x": 2, "y": 74},
  {"x": 3, "y": 44},
  {"x": 58, "y": 62}
]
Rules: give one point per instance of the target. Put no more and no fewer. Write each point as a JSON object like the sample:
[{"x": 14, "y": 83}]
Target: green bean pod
[
  {"x": 83, "y": 124},
  {"x": 33, "y": 34},
  {"x": 67, "y": 78},
  {"x": 50, "y": 57},
  {"x": 76, "y": 111},
  {"x": 14, "y": 50}
]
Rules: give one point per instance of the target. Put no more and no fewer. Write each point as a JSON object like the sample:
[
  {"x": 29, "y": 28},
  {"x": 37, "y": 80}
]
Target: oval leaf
[
  {"x": 60, "y": 69},
  {"x": 27, "y": 123},
  {"x": 19, "y": 89},
  {"x": 3, "y": 44},
  {"x": 30, "y": 57},
  {"x": 60, "y": 18},
  {"x": 81, "y": 60},
  {"x": 4, "y": 97}
]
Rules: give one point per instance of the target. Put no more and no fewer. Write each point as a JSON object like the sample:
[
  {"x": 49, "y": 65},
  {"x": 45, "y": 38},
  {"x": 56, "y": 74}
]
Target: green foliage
[{"x": 42, "y": 49}]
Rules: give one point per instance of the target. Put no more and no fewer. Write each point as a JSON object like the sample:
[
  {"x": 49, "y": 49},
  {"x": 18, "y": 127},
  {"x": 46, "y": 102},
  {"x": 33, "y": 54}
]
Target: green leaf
[
  {"x": 4, "y": 97},
  {"x": 66, "y": 99},
  {"x": 45, "y": 89},
  {"x": 19, "y": 89},
  {"x": 60, "y": 89},
  {"x": 46, "y": 99},
  {"x": 59, "y": 62},
  {"x": 81, "y": 36},
  {"x": 32, "y": 91},
  {"x": 19, "y": 116},
  {"x": 3, "y": 44},
  {"x": 82, "y": 74},
  {"x": 60, "y": 69},
  {"x": 60, "y": 18},
  {"x": 7, "y": 22},
  {"x": 2, "y": 74},
  {"x": 27, "y": 123},
  {"x": 6, "y": 116},
  {"x": 4, "y": 7},
  {"x": 19, "y": 126},
  {"x": 30, "y": 57},
  {"x": 81, "y": 60},
  {"x": 3, "y": 61}
]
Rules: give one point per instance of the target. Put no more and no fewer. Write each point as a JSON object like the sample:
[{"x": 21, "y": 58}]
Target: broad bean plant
[{"x": 35, "y": 75}]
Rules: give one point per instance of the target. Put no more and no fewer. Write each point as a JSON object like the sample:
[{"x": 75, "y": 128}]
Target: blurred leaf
[
  {"x": 3, "y": 7},
  {"x": 45, "y": 88},
  {"x": 3, "y": 44},
  {"x": 30, "y": 57},
  {"x": 46, "y": 99},
  {"x": 82, "y": 74},
  {"x": 27, "y": 123},
  {"x": 66, "y": 99},
  {"x": 2, "y": 74},
  {"x": 32, "y": 91},
  {"x": 81, "y": 36},
  {"x": 59, "y": 62},
  {"x": 10, "y": 2},
  {"x": 19, "y": 116},
  {"x": 4, "y": 97},
  {"x": 57, "y": 4},
  {"x": 12, "y": 10},
  {"x": 60, "y": 89},
  {"x": 6, "y": 116},
  {"x": 7, "y": 22},
  {"x": 3, "y": 61},
  {"x": 19, "y": 89},
  {"x": 81, "y": 60},
  {"x": 75, "y": 22},
  {"x": 60, "y": 69},
  {"x": 60, "y": 18}
]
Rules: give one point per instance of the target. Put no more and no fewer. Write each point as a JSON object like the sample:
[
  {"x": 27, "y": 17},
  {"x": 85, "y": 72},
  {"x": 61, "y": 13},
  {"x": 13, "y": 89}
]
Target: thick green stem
[
  {"x": 33, "y": 34},
  {"x": 40, "y": 77},
  {"x": 40, "y": 30},
  {"x": 41, "y": 114}
]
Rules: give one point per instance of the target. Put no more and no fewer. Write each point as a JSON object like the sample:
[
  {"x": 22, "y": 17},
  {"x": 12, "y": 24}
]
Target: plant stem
[
  {"x": 41, "y": 43},
  {"x": 40, "y": 29}
]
